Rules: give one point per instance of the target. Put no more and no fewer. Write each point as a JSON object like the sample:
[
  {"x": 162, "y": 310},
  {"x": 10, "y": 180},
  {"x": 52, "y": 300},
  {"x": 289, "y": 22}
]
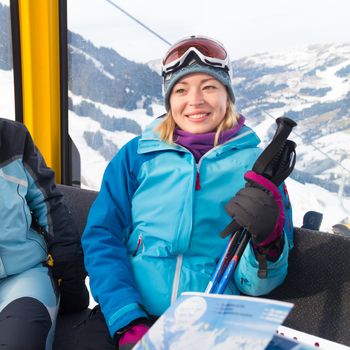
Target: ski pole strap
[{"x": 262, "y": 271}]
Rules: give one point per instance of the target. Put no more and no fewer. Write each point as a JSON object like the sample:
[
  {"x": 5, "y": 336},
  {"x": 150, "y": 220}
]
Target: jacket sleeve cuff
[
  {"x": 124, "y": 316},
  {"x": 246, "y": 275}
]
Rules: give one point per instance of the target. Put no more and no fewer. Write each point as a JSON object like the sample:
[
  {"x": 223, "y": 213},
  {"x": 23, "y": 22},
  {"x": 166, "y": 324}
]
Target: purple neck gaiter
[{"x": 199, "y": 144}]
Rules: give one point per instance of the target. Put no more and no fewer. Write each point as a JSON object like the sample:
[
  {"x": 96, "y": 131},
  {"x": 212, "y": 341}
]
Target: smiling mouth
[{"x": 198, "y": 117}]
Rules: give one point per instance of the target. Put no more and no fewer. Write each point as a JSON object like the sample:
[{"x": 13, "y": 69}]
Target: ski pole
[
  {"x": 221, "y": 266},
  {"x": 275, "y": 163},
  {"x": 233, "y": 262}
]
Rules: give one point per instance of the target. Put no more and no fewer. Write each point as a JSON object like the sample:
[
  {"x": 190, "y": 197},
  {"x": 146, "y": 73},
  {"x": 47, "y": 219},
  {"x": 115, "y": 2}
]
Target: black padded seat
[
  {"x": 318, "y": 283},
  {"x": 78, "y": 202}
]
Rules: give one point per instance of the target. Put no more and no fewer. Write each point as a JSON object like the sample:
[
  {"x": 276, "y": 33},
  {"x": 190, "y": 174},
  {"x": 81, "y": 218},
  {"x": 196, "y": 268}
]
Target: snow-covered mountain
[
  {"x": 311, "y": 86},
  {"x": 101, "y": 74},
  {"x": 308, "y": 86}
]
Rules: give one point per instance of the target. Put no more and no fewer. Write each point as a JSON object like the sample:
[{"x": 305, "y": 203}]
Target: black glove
[
  {"x": 70, "y": 274},
  {"x": 258, "y": 208}
]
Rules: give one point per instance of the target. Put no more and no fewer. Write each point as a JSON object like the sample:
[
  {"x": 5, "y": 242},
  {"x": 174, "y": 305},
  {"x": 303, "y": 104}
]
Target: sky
[{"x": 245, "y": 27}]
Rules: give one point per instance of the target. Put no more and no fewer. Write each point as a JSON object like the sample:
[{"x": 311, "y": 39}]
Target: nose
[{"x": 196, "y": 97}]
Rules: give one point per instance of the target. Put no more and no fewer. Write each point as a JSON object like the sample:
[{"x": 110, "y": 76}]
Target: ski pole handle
[
  {"x": 284, "y": 126},
  {"x": 276, "y": 161}
]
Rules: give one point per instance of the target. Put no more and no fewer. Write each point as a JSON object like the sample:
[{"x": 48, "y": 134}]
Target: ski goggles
[{"x": 209, "y": 51}]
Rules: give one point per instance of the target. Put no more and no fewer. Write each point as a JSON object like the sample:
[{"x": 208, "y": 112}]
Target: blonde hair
[{"x": 167, "y": 126}]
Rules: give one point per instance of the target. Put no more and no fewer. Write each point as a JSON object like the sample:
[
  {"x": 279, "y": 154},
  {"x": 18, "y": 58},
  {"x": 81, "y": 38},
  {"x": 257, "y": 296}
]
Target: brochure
[{"x": 200, "y": 321}]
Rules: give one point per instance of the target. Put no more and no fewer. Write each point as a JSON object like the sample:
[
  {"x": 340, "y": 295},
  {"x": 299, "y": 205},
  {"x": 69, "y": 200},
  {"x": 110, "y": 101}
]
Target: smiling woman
[{"x": 183, "y": 170}]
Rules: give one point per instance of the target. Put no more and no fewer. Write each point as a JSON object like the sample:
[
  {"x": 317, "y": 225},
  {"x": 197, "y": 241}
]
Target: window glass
[
  {"x": 7, "y": 104},
  {"x": 289, "y": 59},
  {"x": 111, "y": 96}
]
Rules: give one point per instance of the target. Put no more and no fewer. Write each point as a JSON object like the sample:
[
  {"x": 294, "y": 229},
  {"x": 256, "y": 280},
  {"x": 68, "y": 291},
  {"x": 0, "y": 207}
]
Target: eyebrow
[{"x": 202, "y": 81}]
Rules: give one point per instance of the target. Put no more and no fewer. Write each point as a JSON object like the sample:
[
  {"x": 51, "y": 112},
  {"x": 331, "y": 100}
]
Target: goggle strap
[{"x": 210, "y": 61}]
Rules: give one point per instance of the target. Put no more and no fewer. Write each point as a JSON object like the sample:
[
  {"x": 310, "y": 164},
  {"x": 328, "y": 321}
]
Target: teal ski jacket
[
  {"x": 28, "y": 193},
  {"x": 154, "y": 230}
]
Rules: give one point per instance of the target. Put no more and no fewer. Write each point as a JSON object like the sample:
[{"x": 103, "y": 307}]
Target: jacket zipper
[
  {"x": 176, "y": 280},
  {"x": 198, "y": 178},
  {"x": 44, "y": 248}
]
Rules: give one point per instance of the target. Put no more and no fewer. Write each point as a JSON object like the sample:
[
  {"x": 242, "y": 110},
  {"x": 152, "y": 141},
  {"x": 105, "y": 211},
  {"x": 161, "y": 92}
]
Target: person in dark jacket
[
  {"x": 154, "y": 230},
  {"x": 41, "y": 260}
]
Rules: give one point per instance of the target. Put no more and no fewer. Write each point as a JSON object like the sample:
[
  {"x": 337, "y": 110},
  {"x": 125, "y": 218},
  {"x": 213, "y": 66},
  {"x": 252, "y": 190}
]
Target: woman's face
[{"x": 198, "y": 103}]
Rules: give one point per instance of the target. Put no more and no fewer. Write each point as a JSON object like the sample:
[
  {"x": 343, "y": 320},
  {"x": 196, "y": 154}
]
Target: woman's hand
[{"x": 258, "y": 208}]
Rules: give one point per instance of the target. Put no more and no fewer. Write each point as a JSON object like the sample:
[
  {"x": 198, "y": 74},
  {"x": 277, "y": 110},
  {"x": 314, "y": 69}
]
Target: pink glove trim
[
  {"x": 261, "y": 180},
  {"x": 134, "y": 334}
]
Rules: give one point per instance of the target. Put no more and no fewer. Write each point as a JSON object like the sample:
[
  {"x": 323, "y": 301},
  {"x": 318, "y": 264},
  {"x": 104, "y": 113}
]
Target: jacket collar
[{"x": 150, "y": 142}]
